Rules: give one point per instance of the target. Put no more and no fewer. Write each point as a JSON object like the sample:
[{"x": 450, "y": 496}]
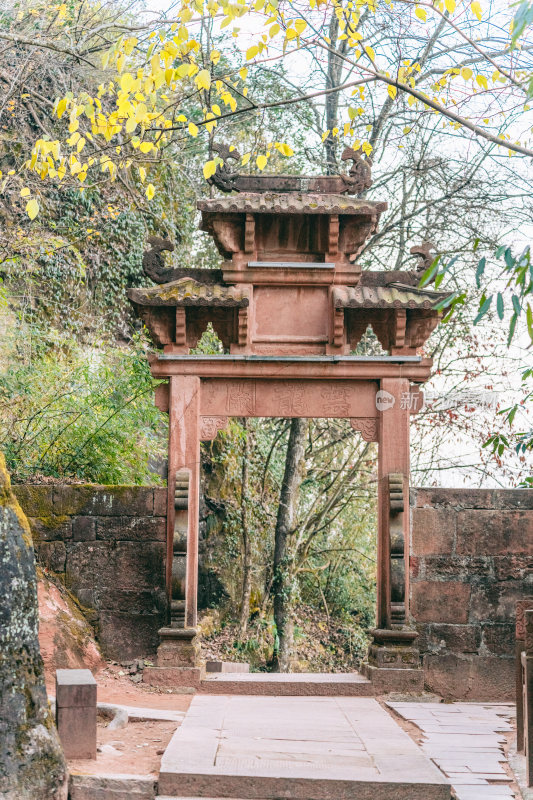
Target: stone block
[
  {"x": 76, "y": 712},
  {"x": 394, "y": 680},
  {"x": 440, "y": 601},
  {"x": 178, "y": 678},
  {"x": 496, "y": 602},
  {"x": 457, "y": 638},
  {"x": 35, "y": 501},
  {"x": 75, "y": 687},
  {"x": 513, "y": 498},
  {"x": 133, "y": 529},
  {"x": 52, "y": 555},
  {"x": 453, "y": 498},
  {"x": 433, "y": 531},
  {"x": 51, "y": 528},
  {"x": 112, "y": 787},
  {"x": 470, "y": 677},
  {"x": 124, "y": 636},
  {"x": 499, "y": 639},
  {"x": 132, "y": 601},
  {"x": 160, "y": 502},
  {"x": 89, "y": 500},
  {"x": 461, "y": 568},
  {"x": 226, "y": 666},
  {"x": 83, "y": 529},
  {"x": 483, "y": 532},
  {"x": 513, "y": 567},
  {"x": 137, "y": 566}
]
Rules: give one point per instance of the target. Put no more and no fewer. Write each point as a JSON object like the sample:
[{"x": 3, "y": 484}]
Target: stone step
[{"x": 302, "y": 684}]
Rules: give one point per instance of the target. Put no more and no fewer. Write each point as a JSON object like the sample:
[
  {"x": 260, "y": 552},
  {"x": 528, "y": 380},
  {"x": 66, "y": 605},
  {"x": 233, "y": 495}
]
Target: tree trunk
[
  {"x": 246, "y": 541},
  {"x": 285, "y": 523},
  {"x": 31, "y": 760},
  {"x": 333, "y": 80}
]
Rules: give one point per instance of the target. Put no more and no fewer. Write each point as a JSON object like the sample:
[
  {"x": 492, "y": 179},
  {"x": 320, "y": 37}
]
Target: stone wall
[
  {"x": 471, "y": 560},
  {"x": 107, "y": 543}
]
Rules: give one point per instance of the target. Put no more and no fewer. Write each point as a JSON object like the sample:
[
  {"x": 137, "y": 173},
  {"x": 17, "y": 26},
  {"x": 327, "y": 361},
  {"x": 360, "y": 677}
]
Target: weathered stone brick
[
  {"x": 51, "y": 528},
  {"x": 433, "y": 531},
  {"x": 457, "y": 638},
  {"x": 453, "y": 498},
  {"x": 52, "y": 555},
  {"x": 83, "y": 529},
  {"x": 129, "y": 600},
  {"x": 461, "y": 568},
  {"x": 415, "y": 565},
  {"x": 513, "y": 498},
  {"x": 160, "y": 502},
  {"x": 499, "y": 638},
  {"x": 127, "y": 636},
  {"x": 95, "y": 500},
  {"x": 494, "y": 532},
  {"x": 469, "y": 677},
  {"x": 124, "y": 565},
  {"x": 496, "y": 602},
  {"x": 440, "y": 601},
  {"x": 131, "y": 529},
  {"x": 35, "y": 501},
  {"x": 512, "y": 567}
]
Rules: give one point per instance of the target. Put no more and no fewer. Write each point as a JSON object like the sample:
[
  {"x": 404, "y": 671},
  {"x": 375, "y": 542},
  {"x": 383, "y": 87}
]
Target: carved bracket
[
  {"x": 242, "y": 333},
  {"x": 210, "y": 426},
  {"x": 367, "y": 427}
]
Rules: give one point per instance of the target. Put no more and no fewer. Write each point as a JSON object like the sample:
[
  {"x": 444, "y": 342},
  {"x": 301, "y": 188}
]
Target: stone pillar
[
  {"x": 76, "y": 712},
  {"x": 178, "y": 653},
  {"x": 393, "y": 661}
]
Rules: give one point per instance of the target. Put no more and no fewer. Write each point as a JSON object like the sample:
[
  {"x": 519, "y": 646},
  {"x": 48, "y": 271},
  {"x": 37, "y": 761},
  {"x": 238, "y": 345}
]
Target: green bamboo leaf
[{"x": 485, "y": 305}]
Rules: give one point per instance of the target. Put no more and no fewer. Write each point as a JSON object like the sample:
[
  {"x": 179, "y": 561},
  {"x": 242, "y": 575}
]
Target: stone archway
[{"x": 290, "y": 303}]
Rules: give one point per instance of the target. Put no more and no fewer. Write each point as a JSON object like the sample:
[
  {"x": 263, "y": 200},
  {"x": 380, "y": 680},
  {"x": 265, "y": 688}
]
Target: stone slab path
[
  {"x": 465, "y": 740},
  {"x": 306, "y": 684},
  {"x": 308, "y": 748}
]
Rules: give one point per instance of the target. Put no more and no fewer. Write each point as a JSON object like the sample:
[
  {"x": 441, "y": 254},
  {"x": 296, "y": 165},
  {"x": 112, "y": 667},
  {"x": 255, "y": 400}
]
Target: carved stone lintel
[
  {"x": 210, "y": 426},
  {"x": 367, "y": 427}
]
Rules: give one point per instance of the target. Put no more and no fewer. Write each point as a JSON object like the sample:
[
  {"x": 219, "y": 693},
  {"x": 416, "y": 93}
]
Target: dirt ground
[{"x": 135, "y": 749}]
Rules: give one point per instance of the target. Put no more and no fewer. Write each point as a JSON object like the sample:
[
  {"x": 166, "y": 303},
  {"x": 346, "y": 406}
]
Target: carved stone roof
[
  {"x": 395, "y": 296},
  {"x": 188, "y": 292},
  {"x": 291, "y": 203}
]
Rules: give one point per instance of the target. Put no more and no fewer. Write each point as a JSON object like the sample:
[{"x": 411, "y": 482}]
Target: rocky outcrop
[{"x": 31, "y": 760}]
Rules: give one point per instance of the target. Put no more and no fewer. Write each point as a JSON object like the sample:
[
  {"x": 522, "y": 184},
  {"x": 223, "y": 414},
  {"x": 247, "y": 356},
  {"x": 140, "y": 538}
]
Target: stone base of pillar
[
  {"x": 179, "y": 647},
  {"x": 178, "y": 661},
  {"x": 393, "y": 662}
]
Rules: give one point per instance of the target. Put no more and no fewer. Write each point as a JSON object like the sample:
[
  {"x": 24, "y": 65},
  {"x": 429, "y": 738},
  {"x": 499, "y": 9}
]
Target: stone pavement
[
  {"x": 313, "y": 748},
  {"x": 465, "y": 740}
]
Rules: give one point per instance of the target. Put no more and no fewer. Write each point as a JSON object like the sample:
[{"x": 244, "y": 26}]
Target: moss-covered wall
[{"x": 107, "y": 543}]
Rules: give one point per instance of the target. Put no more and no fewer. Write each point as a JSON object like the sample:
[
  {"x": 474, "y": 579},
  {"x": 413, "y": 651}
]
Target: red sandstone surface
[{"x": 135, "y": 749}]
